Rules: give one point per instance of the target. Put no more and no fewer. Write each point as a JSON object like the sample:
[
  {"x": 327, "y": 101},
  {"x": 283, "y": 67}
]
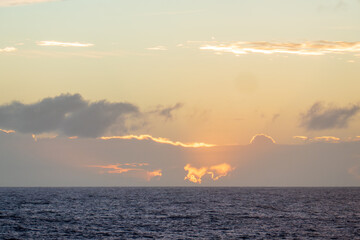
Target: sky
[{"x": 180, "y": 93}]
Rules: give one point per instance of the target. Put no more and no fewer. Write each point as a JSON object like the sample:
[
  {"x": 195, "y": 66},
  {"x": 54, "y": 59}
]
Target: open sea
[{"x": 179, "y": 213}]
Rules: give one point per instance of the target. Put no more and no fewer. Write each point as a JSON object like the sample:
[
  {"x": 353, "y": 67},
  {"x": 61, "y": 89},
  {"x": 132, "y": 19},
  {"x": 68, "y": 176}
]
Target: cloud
[
  {"x": 216, "y": 171},
  {"x": 262, "y": 139},
  {"x": 160, "y": 140},
  {"x": 157, "y": 48},
  {"x": 66, "y": 114},
  {"x": 7, "y": 131},
  {"x": 8, "y": 49},
  {"x": 320, "y": 117},
  {"x": 302, "y": 48},
  {"x": 167, "y": 112},
  {"x": 134, "y": 172},
  {"x": 37, "y": 137},
  {"x": 67, "y": 54},
  {"x": 9, "y": 3},
  {"x": 326, "y": 139},
  {"x": 64, "y": 44}
]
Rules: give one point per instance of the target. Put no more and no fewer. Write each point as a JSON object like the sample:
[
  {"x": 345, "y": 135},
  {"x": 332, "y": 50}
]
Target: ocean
[{"x": 179, "y": 213}]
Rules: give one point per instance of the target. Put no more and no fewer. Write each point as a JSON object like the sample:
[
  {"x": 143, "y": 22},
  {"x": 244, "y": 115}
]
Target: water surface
[{"x": 180, "y": 213}]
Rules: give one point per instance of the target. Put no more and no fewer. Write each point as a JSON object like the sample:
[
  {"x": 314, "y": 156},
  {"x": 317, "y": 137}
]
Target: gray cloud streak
[
  {"x": 66, "y": 114},
  {"x": 319, "y": 117},
  {"x": 167, "y": 112}
]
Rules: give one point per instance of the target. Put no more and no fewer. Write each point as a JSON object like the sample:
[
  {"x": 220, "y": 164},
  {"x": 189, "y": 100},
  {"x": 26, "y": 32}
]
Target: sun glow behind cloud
[
  {"x": 160, "y": 140},
  {"x": 216, "y": 171}
]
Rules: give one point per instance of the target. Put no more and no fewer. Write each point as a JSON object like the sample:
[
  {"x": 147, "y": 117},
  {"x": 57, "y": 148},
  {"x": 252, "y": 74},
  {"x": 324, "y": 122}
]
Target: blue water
[{"x": 180, "y": 213}]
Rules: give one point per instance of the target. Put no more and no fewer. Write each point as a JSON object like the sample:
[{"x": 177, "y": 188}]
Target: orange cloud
[
  {"x": 216, "y": 171},
  {"x": 138, "y": 172},
  {"x": 159, "y": 140},
  {"x": 7, "y": 131},
  {"x": 304, "y": 138},
  {"x": 195, "y": 174},
  {"x": 219, "y": 171},
  {"x": 155, "y": 173},
  {"x": 327, "y": 139}
]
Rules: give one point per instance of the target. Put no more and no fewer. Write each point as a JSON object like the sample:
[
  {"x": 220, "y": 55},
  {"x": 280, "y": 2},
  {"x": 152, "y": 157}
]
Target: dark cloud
[
  {"x": 320, "y": 117},
  {"x": 65, "y": 114},
  {"x": 167, "y": 112}
]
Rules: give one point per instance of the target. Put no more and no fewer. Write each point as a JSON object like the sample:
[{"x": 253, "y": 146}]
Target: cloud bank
[
  {"x": 92, "y": 162},
  {"x": 66, "y": 114},
  {"x": 320, "y": 117}
]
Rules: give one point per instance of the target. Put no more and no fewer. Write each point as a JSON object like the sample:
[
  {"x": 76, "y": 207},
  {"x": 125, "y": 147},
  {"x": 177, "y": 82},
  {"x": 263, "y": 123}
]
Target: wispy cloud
[
  {"x": 320, "y": 117},
  {"x": 63, "y": 54},
  {"x": 171, "y": 13},
  {"x": 157, "y": 48},
  {"x": 7, "y": 131},
  {"x": 326, "y": 139},
  {"x": 160, "y": 140},
  {"x": 263, "y": 47},
  {"x": 64, "y": 44},
  {"x": 7, "y": 49},
  {"x": 132, "y": 168},
  {"x": 9, "y": 3},
  {"x": 167, "y": 112}
]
